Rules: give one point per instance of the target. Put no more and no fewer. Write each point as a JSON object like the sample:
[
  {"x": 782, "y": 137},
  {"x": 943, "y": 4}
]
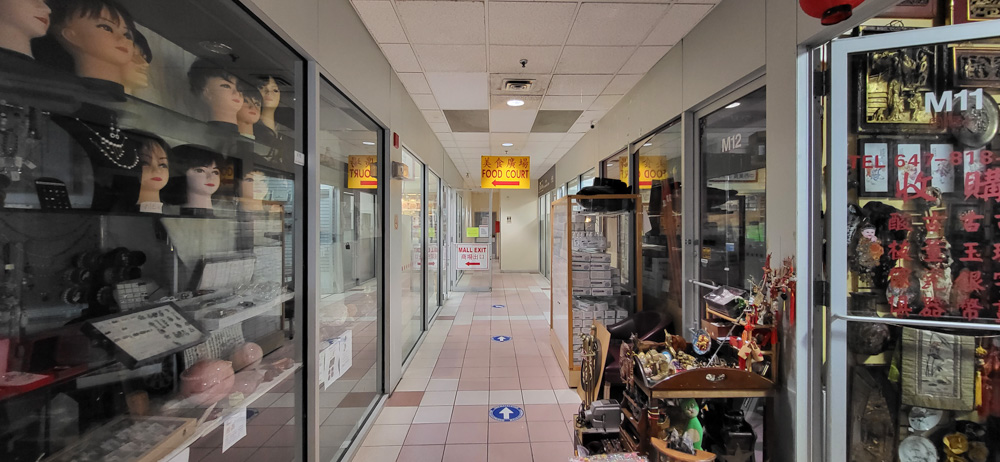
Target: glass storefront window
[
  {"x": 348, "y": 312},
  {"x": 150, "y": 233},
  {"x": 433, "y": 251},
  {"x": 412, "y": 282},
  {"x": 914, "y": 253},
  {"x": 660, "y": 172},
  {"x": 733, "y": 201},
  {"x": 587, "y": 179},
  {"x": 573, "y": 186}
]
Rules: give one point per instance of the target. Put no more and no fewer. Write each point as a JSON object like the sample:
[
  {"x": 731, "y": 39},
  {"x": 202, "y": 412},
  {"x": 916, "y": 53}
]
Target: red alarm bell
[{"x": 829, "y": 11}]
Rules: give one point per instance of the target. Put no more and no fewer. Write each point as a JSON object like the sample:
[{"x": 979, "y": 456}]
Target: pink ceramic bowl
[{"x": 207, "y": 382}]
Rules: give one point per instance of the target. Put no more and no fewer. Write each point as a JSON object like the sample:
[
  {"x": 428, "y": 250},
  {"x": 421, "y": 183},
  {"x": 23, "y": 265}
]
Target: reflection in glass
[
  {"x": 659, "y": 184},
  {"x": 412, "y": 253},
  {"x": 733, "y": 175},
  {"x": 433, "y": 252},
  {"x": 349, "y": 228}
]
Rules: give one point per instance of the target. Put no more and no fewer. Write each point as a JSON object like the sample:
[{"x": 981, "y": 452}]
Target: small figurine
[{"x": 694, "y": 429}]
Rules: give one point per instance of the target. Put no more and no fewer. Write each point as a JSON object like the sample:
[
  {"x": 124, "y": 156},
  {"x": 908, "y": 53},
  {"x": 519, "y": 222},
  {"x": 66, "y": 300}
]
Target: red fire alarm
[
  {"x": 395, "y": 140},
  {"x": 829, "y": 11}
]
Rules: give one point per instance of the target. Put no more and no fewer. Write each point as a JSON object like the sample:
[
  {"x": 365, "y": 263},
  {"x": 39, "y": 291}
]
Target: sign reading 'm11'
[{"x": 505, "y": 172}]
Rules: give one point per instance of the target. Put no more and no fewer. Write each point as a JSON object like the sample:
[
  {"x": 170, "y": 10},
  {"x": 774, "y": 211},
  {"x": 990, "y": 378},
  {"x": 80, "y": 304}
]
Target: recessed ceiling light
[
  {"x": 732, "y": 105},
  {"x": 648, "y": 144},
  {"x": 368, "y": 143},
  {"x": 507, "y": 144},
  {"x": 216, "y": 47},
  {"x": 515, "y": 102}
]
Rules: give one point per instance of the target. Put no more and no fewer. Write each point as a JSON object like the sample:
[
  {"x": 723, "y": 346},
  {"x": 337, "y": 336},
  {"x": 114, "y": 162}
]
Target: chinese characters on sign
[
  {"x": 505, "y": 172},
  {"x": 472, "y": 257}
]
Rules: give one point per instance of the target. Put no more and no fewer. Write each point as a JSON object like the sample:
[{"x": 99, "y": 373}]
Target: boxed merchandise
[
  {"x": 582, "y": 291},
  {"x": 581, "y": 257},
  {"x": 600, "y": 266},
  {"x": 601, "y": 305},
  {"x": 586, "y": 315},
  {"x": 621, "y": 314},
  {"x": 600, "y": 258},
  {"x": 599, "y": 292},
  {"x": 601, "y": 274},
  {"x": 581, "y": 266},
  {"x": 606, "y": 283}
]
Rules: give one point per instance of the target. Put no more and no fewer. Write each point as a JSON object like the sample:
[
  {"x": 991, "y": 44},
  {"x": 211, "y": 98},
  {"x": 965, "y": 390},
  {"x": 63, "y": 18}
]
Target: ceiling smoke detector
[{"x": 520, "y": 85}]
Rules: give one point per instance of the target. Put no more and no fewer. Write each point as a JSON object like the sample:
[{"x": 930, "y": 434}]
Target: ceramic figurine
[{"x": 694, "y": 429}]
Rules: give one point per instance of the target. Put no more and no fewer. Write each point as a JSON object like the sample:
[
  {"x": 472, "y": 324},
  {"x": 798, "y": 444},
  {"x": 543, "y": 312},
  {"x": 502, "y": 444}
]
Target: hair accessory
[{"x": 112, "y": 146}]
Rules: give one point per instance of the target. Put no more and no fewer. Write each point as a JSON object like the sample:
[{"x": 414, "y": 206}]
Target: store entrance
[{"x": 474, "y": 253}]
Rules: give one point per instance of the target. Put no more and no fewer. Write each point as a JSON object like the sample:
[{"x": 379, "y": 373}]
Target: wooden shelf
[{"x": 695, "y": 383}]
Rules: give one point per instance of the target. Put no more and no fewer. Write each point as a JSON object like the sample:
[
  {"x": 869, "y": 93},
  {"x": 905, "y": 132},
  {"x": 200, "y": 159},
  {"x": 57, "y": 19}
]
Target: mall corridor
[{"x": 440, "y": 410}]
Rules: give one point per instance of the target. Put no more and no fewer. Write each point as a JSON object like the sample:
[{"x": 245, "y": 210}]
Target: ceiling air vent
[{"x": 521, "y": 85}]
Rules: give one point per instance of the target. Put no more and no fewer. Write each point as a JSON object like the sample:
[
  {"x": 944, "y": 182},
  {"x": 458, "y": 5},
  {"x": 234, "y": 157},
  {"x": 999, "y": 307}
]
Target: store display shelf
[
  {"x": 206, "y": 427},
  {"x": 214, "y": 324},
  {"x": 709, "y": 382}
]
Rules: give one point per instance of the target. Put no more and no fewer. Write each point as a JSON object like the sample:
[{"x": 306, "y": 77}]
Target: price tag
[{"x": 234, "y": 429}]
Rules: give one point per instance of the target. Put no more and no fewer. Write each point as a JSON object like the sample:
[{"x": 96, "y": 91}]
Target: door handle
[{"x": 348, "y": 246}]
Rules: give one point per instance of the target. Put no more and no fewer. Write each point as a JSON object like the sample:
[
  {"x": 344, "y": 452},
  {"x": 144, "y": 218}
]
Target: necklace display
[{"x": 112, "y": 147}]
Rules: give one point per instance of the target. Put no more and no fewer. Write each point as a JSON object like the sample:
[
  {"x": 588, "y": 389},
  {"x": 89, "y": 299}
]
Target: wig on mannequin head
[
  {"x": 135, "y": 73},
  {"x": 184, "y": 158},
  {"x": 70, "y": 51},
  {"x": 250, "y": 112},
  {"x": 144, "y": 182},
  {"x": 207, "y": 81},
  {"x": 20, "y": 22}
]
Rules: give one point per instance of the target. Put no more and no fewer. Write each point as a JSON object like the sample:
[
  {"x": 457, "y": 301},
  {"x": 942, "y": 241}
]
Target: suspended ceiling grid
[{"x": 453, "y": 57}]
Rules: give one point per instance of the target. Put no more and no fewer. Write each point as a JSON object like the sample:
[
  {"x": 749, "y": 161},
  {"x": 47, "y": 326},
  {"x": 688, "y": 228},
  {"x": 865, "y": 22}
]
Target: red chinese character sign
[{"x": 472, "y": 257}]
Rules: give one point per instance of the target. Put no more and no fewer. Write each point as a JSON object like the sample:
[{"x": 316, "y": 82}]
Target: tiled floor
[{"x": 440, "y": 410}]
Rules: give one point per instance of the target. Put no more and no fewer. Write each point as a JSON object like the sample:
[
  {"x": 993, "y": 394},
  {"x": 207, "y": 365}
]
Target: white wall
[{"x": 519, "y": 238}]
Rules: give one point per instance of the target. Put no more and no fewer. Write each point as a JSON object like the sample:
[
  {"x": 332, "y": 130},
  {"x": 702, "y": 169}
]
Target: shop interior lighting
[
  {"x": 515, "y": 102},
  {"x": 507, "y": 144},
  {"x": 368, "y": 143},
  {"x": 216, "y": 47},
  {"x": 648, "y": 144},
  {"x": 732, "y": 105}
]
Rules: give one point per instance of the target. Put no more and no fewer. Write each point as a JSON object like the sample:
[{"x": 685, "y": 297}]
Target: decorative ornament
[{"x": 112, "y": 147}]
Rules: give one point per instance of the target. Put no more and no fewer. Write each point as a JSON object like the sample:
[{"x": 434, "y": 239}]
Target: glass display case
[
  {"x": 149, "y": 230},
  {"x": 594, "y": 275},
  {"x": 913, "y": 358}
]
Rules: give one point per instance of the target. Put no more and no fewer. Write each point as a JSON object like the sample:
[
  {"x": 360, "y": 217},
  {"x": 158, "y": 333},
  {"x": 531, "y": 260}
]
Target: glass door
[
  {"x": 915, "y": 248},
  {"x": 410, "y": 225},
  {"x": 433, "y": 244}
]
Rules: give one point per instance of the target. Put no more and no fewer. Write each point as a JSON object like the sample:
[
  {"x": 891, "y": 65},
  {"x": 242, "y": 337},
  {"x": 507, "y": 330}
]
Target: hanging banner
[
  {"x": 472, "y": 257},
  {"x": 505, "y": 172},
  {"x": 547, "y": 182},
  {"x": 362, "y": 172}
]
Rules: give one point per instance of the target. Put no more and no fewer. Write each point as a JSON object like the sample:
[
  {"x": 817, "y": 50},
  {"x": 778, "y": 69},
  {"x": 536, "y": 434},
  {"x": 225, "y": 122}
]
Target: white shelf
[
  {"x": 208, "y": 426},
  {"x": 213, "y": 324}
]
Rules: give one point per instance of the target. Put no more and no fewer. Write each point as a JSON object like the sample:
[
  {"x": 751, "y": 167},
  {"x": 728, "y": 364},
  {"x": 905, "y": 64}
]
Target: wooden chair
[{"x": 665, "y": 454}]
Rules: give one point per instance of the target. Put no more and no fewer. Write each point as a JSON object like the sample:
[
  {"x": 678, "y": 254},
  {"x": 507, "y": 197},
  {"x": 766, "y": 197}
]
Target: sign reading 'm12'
[{"x": 505, "y": 172}]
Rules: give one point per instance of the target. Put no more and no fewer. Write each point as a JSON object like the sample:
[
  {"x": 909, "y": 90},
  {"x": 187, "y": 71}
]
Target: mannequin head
[
  {"x": 136, "y": 72},
  {"x": 195, "y": 175},
  {"x": 154, "y": 161},
  {"x": 250, "y": 112},
  {"x": 97, "y": 34},
  {"x": 270, "y": 98},
  {"x": 218, "y": 90},
  {"x": 253, "y": 189},
  {"x": 21, "y": 21}
]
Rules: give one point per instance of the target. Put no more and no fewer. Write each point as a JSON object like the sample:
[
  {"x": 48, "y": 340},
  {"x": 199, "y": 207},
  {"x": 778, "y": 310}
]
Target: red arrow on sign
[
  {"x": 471, "y": 264},
  {"x": 645, "y": 183},
  {"x": 369, "y": 183},
  {"x": 506, "y": 183}
]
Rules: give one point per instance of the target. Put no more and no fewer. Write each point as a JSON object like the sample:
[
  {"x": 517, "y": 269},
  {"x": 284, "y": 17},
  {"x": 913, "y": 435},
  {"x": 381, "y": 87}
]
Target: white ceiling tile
[
  {"x": 563, "y": 84},
  {"x": 574, "y": 137},
  {"x": 434, "y": 117},
  {"x": 415, "y": 83},
  {"x": 381, "y": 21},
  {"x": 440, "y": 127},
  {"x": 592, "y": 60},
  {"x": 539, "y": 148},
  {"x": 459, "y": 90},
  {"x": 507, "y": 59},
  {"x": 401, "y": 57},
  {"x": 535, "y": 23},
  {"x": 614, "y": 23},
  {"x": 424, "y": 102},
  {"x": 445, "y": 137},
  {"x": 545, "y": 137},
  {"x": 568, "y": 102},
  {"x": 457, "y": 23},
  {"x": 643, "y": 59},
  {"x": 511, "y": 120},
  {"x": 452, "y": 151},
  {"x": 580, "y": 127},
  {"x": 449, "y": 144},
  {"x": 566, "y": 144},
  {"x": 451, "y": 58},
  {"x": 680, "y": 19},
  {"x": 471, "y": 136},
  {"x": 497, "y": 139},
  {"x": 591, "y": 116},
  {"x": 531, "y": 103},
  {"x": 475, "y": 152},
  {"x": 605, "y": 102},
  {"x": 473, "y": 143},
  {"x": 622, "y": 83}
]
